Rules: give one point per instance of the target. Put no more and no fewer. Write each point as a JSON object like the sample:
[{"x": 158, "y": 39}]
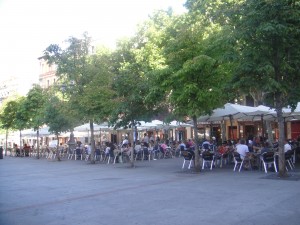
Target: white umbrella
[
  {"x": 229, "y": 111},
  {"x": 154, "y": 124},
  {"x": 44, "y": 131},
  {"x": 261, "y": 112},
  {"x": 174, "y": 124},
  {"x": 290, "y": 115},
  {"x": 86, "y": 127}
]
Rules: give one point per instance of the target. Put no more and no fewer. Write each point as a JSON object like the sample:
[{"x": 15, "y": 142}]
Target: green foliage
[
  {"x": 268, "y": 36},
  {"x": 135, "y": 63},
  {"x": 8, "y": 114},
  {"x": 56, "y": 118},
  {"x": 195, "y": 71},
  {"x": 22, "y": 117},
  {"x": 85, "y": 77},
  {"x": 35, "y": 106}
]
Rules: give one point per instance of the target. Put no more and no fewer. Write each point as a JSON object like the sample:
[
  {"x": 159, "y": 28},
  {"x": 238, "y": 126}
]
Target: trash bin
[{"x": 1, "y": 152}]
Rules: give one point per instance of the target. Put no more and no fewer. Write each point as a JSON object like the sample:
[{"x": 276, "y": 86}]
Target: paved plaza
[{"x": 47, "y": 192}]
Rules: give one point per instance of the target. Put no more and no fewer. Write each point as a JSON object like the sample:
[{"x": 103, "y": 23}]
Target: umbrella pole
[
  {"x": 231, "y": 130},
  {"x": 262, "y": 125}
]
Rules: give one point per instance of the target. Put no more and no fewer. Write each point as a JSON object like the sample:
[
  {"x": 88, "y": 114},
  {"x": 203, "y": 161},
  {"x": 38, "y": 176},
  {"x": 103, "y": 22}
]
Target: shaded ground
[{"x": 158, "y": 192}]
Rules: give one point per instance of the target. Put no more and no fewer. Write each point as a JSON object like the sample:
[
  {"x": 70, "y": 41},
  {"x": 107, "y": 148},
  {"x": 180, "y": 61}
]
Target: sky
[{"x": 30, "y": 26}]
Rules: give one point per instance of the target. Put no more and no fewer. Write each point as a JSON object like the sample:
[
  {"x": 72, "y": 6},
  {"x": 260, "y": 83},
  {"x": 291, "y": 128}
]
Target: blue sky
[{"x": 29, "y": 26}]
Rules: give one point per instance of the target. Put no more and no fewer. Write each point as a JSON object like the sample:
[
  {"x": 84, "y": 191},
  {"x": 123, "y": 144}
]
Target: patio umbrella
[
  {"x": 44, "y": 131},
  {"x": 177, "y": 124},
  {"x": 290, "y": 115},
  {"x": 260, "y": 112},
  {"x": 86, "y": 127},
  {"x": 154, "y": 124},
  {"x": 229, "y": 111}
]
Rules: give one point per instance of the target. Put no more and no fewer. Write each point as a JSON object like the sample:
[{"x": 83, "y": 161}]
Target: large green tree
[
  {"x": 57, "y": 119},
  {"x": 86, "y": 79},
  {"x": 7, "y": 117},
  {"x": 22, "y": 119},
  {"x": 195, "y": 75},
  {"x": 266, "y": 37},
  {"x": 135, "y": 61},
  {"x": 35, "y": 106}
]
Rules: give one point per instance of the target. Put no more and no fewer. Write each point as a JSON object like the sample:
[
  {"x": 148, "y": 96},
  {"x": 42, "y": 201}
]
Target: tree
[
  {"x": 135, "y": 60},
  {"x": 267, "y": 36},
  {"x": 90, "y": 95},
  {"x": 7, "y": 117},
  {"x": 131, "y": 88},
  {"x": 22, "y": 118},
  {"x": 35, "y": 106},
  {"x": 193, "y": 78},
  {"x": 57, "y": 120}
]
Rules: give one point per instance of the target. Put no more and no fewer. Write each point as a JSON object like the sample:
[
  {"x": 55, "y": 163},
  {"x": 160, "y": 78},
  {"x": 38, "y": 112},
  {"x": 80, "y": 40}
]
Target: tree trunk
[
  {"x": 20, "y": 140},
  {"x": 92, "y": 142},
  {"x": 197, "y": 152},
  {"x": 223, "y": 128},
  {"x": 38, "y": 143},
  {"x": 281, "y": 156},
  {"x": 133, "y": 128},
  {"x": 269, "y": 130},
  {"x": 6, "y": 137},
  {"x": 57, "y": 149}
]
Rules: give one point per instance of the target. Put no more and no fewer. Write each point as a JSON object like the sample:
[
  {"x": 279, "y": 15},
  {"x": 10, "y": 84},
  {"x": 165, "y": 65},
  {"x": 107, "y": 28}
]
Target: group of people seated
[{"x": 25, "y": 151}]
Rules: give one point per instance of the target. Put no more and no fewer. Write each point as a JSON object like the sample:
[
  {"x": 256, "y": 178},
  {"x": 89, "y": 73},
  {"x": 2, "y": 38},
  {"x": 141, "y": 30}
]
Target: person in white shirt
[
  {"x": 125, "y": 141},
  {"x": 146, "y": 138},
  {"x": 287, "y": 146},
  {"x": 242, "y": 149},
  {"x": 89, "y": 149}
]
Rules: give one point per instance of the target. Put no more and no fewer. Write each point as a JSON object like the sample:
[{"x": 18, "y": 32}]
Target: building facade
[{"x": 47, "y": 74}]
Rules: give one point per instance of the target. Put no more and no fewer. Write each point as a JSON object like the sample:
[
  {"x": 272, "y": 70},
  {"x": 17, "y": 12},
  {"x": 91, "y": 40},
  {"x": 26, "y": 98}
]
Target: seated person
[
  {"x": 223, "y": 148},
  {"x": 163, "y": 147},
  {"x": 205, "y": 145},
  {"x": 256, "y": 145},
  {"x": 137, "y": 147},
  {"x": 127, "y": 149},
  {"x": 125, "y": 141},
  {"x": 107, "y": 149},
  {"x": 287, "y": 146},
  {"x": 190, "y": 144},
  {"x": 265, "y": 148},
  {"x": 242, "y": 149}
]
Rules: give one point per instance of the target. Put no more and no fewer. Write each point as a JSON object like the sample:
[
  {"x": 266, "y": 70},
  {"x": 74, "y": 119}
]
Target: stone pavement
[{"x": 43, "y": 192}]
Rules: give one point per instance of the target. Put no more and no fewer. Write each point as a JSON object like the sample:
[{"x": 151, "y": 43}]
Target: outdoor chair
[
  {"x": 207, "y": 158},
  {"x": 268, "y": 158},
  {"x": 97, "y": 155},
  {"x": 187, "y": 156},
  {"x": 238, "y": 161},
  {"x": 78, "y": 154},
  {"x": 109, "y": 156},
  {"x": 205, "y": 147},
  {"x": 222, "y": 158},
  {"x": 289, "y": 159},
  {"x": 146, "y": 154},
  {"x": 87, "y": 157}
]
